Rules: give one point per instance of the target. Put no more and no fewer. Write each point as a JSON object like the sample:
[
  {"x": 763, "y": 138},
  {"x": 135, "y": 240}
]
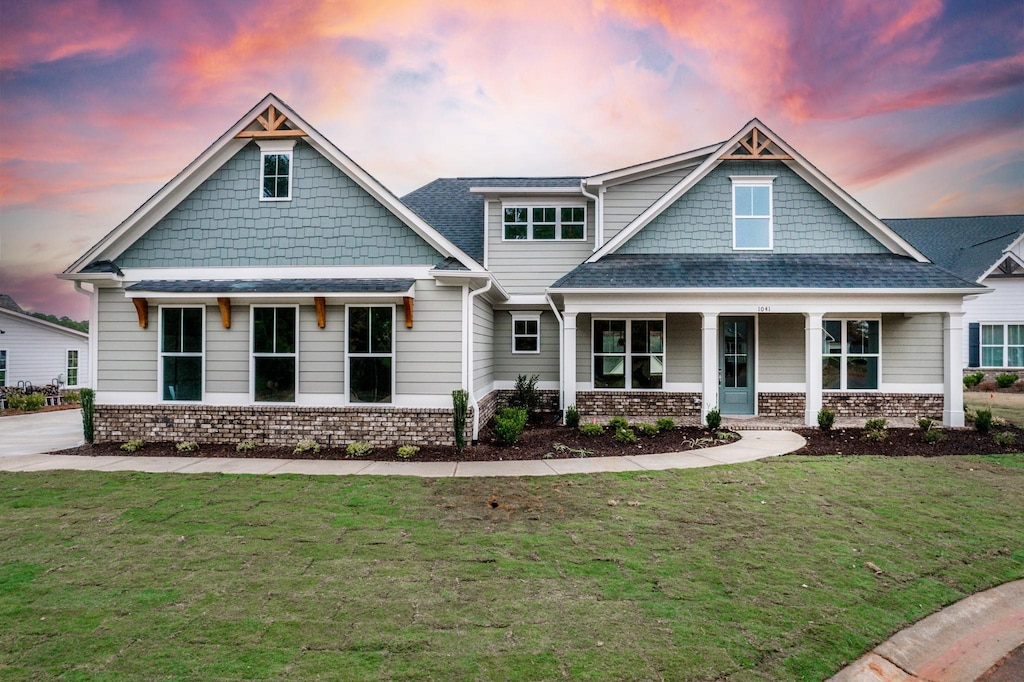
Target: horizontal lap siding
[
  {"x": 483, "y": 344},
  {"x": 623, "y": 203},
  {"x": 127, "y": 353},
  {"x": 781, "y": 344},
  {"x": 912, "y": 349},
  {"x": 227, "y": 351},
  {"x": 429, "y": 356},
  {"x": 683, "y": 351},
  {"x": 1005, "y": 304},
  {"x": 322, "y": 351},
  {"x": 509, "y": 365},
  {"x": 39, "y": 354}
]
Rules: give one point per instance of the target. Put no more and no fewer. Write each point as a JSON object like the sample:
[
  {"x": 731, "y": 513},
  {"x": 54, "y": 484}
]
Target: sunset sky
[{"x": 914, "y": 106}]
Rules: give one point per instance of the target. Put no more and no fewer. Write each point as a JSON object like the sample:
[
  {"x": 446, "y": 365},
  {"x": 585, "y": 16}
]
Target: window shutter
[{"x": 974, "y": 344}]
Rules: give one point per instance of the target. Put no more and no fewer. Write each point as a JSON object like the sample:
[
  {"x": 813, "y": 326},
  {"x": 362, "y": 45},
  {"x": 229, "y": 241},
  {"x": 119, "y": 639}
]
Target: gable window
[
  {"x": 371, "y": 351},
  {"x": 72, "y": 368},
  {"x": 526, "y": 333},
  {"x": 274, "y": 344},
  {"x": 276, "y": 169},
  {"x": 752, "y": 213},
  {"x": 629, "y": 354},
  {"x": 181, "y": 354},
  {"x": 1002, "y": 345},
  {"x": 850, "y": 355},
  {"x": 545, "y": 223},
  {"x": 3, "y": 368}
]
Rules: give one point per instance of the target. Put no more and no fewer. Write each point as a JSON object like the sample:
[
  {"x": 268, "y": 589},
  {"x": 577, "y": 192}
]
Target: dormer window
[
  {"x": 545, "y": 223},
  {"x": 752, "y": 226},
  {"x": 276, "y": 169}
]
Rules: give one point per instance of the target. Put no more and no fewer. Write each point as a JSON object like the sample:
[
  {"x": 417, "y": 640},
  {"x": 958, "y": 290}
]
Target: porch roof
[
  {"x": 272, "y": 286},
  {"x": 760, "y": 271}
]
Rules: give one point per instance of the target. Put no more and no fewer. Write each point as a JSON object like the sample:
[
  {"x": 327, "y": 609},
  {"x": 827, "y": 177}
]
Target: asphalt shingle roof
[
  {"x": 9, "y": 303},
  {"x": 771, "y": 271},
  {"x": 966, "y": 246},
  {"x": 458, "y": 214},
  {"x": 273, "y": 286}
]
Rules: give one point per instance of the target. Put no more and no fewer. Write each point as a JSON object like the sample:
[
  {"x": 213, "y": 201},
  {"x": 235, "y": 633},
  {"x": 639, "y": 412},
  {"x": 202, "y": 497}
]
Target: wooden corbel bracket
[
  {"x": 407, "y": 302},
  {"x": 321, "y": 311},
  {"x": 142, "y": 308},
  {"x": 225, "y": 311}
]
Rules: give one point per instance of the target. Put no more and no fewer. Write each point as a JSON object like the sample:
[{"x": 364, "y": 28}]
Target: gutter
[
  {"x": 599, "y": 217},
  {"x": 470, "y": 314}
]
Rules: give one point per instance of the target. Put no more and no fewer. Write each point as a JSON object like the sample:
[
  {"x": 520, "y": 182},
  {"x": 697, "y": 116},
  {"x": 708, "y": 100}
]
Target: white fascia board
[
  {"x": 461, "y": 277},
  {"x": 498, "y": 192},
  {"x": 647, "y": 168},
  {"x": 44, "y": 324},
  {"x": 283, "y": 272},
  {"x": 277, "y": 297},
  {"x": 519, "y": 301},
  {"x": 89, "y": 276}
]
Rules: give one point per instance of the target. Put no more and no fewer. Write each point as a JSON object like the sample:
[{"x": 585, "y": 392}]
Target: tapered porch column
[
  {"x": 568, "y": 359},
  {"x": 953, "y": 376},
  {"x": 812, "y": 366},
  {"x": 709, "y": 363}
]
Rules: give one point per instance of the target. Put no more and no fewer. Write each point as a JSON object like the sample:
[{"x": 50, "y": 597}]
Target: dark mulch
[
  {"x": 909, "y": 442},
  {"x": 8, "y": 412}
]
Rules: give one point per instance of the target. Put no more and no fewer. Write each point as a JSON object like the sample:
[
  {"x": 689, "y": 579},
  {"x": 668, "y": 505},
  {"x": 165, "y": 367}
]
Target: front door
[{"x": 736, "y": 365}]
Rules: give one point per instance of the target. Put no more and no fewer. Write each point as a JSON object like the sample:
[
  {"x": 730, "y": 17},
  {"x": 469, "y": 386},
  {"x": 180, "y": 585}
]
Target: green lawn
[
  {"x": 750, "y": 572},
  {"x": 1009, "y": 406}
]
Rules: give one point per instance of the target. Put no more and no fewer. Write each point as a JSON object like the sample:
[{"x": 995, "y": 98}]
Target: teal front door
[{"x": 736, "y": 365}]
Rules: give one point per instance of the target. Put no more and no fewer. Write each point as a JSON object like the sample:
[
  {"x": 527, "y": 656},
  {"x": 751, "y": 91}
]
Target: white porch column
[
  {"x": 812, "y": 366},
  {"x": 953, "y": 376},
  {"x": 568, "y": 359},
  {"x": 709, "y": 362}
]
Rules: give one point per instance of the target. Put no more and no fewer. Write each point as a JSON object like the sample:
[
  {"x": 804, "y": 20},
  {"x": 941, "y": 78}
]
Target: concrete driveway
[{"x": 27, "y": 434}]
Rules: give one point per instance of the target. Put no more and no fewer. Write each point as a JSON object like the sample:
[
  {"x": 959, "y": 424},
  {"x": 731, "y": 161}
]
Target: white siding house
[{"x": 40, "y": 352}]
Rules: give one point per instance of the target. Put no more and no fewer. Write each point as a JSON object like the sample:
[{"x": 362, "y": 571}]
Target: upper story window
[
  {"x": 545, "y": 223},
  {"x": 276, "y": 169},
  {"x": 752, "y": 224}
]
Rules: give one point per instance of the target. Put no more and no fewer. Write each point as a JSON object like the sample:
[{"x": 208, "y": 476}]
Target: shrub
[
  {"x": 27, "y": 403},
  {"x": 186, "y": 446},
  {"x": 1005, "y": 438},
  {"x": 998, "y": 422},
  {"x": 713, "y": 419},
  {"x": 246, "y": 446},
  {"x": 509, "y": 423},
  {"x": 666, "y": 424},
  {"x": 1006, "y": 379},
  {"x": 71, "y": 397},
  {"x": 726, "y": 436},
  {"x": 878, "y": 424},
  {"x": 933, "y": 436},
  {"x": 618, "y": 423},
  {"x": 88, "y": 404},
  {"x": 877, "y": 435},
  {"x": 525, "y": 395},
  {"x": 134, "y": 445},
  {"x": 460, "y": 403},
  {"x": 357, "y": 449},
  {"x": 972, "y": 380},
  {"x": 572, "y": 417},
  {"x": 983, "y": 420},
  {"x": 826, "y": 419},
  {"x": 407, "y": 451},
  {"x": 625, "y": 436},
  {"x": 649, "y": 430},
  {"x": 925, "y": 423},
  {"x": 306, "y": 445},
  {"x": 592, "y": 429}
]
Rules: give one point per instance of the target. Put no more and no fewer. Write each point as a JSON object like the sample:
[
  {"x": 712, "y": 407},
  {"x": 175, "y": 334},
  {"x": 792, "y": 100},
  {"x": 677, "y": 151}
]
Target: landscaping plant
[
  {"x": 713, "y": 419},
  {"x": 88, "y": 405},
  {"x": 306, "y": 445},
  {"x": 1005, "y": 438},
  {"x": 572, "y": 417},
  {"x": 357, "y": 449},
  {"x": 134, "y": 445},
  {"x": 649, "y": 430},
  {"x": 460, "y": 403},
  {"x": 618, "y": 423},
  {"x": 626, "y": 436},
  {"x": 826, "y": 419},
  {"x": 592, "y": 429},
  {"x": 187, "y": 446},
  {"x": 972, "y": 380},
  {"x": 665, "y": 424},
  {"x": 508, "y": 424},
  {"x": 246, "y": 446},
  {"x": 1006, "y": 379},
  {"x": 925, "y": 423},
  {"x": 983, "y": 420},
  {"x": 407, "y": 451},
  {"x": 875, "y": 429},
  {"x": 525, "y": 395}
]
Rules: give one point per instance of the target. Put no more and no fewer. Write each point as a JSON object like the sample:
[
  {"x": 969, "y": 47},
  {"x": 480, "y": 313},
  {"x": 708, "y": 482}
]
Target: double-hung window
[
  {"x": 274, "y": 344},
  {"x": 850, "y": 354},
  {"x": 526, "y": 333},
  {"x": 72, "y": 368},
  {"x": 629, "y": 354},
  {"x": 1002, "y": 345},
  {"x": 545, "y": 223},
  {"x": 181, "y": 354},
  {"x": 371, "y": 351},
  {"x": 752, "y": 212},
  {"x": 275, "y": 169}
]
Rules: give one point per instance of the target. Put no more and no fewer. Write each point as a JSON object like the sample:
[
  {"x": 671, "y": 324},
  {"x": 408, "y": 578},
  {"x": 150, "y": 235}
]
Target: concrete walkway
[{"x": 26, "y": 434}]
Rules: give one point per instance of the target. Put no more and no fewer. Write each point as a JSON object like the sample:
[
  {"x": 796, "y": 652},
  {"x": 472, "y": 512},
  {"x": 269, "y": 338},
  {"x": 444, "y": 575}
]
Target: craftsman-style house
[{"x": 274, "y": 290}]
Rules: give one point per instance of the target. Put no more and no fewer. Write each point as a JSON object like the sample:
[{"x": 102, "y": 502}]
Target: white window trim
[
  {"x": 529, "y": 206},
  {"x": 161, "y": 355},
  {"x": 78, "y": 369},
  {"x": 525, "y": 317},
  {"x": 754, "y": 181},
  {"x": 1005, "y": 345},
  {"x": 272, "y": 147},
  {"x": 7, "y": 365},
  {"x": 253, "y": 355},
  {"x": 845, "y": 355},
  {"x": 628, "y": 352},
  {"x": 348, "y": 355}
]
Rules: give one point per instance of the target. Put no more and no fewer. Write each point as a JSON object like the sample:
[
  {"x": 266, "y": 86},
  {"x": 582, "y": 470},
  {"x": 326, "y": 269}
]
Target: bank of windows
[
  {"x": 371, "y": 353},
  {"x": 752, "y": 213},
  {"x": 526, "y": 333},
  {"x": 274, "y": 354},
  {"x": 629, "y": 354},
  {"x": 545, "y": 223},
  {"x": 71, "y": 373},
  {"x": 181, "y": 354},
  {"x": 1002, "y": 345},
  {"x": 850, "y": 355}
]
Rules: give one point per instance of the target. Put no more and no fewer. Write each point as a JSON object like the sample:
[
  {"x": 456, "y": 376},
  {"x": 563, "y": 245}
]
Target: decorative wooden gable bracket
[
  {"x": 756, "y": 146},
  {"x": 272, "y": 121},
  {"x": 142, "y": 308},
  {"x": 407, "y": 301},
  {"x": 225, "y": 311},
  {"x": 321, "y": 311},
  {"x": 1010, "y": 267}
]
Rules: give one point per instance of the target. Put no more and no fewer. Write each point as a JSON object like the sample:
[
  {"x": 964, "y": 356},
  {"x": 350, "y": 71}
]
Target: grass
[
  {"x": 749, "y": 572},
  {"x": 1009, "y": 406}
]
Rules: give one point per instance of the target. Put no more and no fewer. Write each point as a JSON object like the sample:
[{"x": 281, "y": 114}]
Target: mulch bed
[
  {"x": 8, "y": 412},
  {"x": 908, "y": 443}
]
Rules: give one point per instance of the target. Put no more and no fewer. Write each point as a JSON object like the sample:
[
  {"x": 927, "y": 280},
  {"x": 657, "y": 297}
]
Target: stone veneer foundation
[
  {"x": 640, "y": 404},
  {"x": 884, "y": 404},
  {"x": 781, "y": 405}
]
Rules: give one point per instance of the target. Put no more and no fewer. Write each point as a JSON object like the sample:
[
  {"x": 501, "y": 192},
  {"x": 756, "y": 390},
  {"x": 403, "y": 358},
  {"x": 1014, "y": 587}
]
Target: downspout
[
  {"x": 470, "y": 370},
  {"x": 598, "y": 218},
  {"x": 93, "y": 332},
  {"x": 561, "y": 354}
]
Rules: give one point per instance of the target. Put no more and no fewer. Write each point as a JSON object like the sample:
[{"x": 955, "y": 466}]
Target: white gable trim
[
  {"x": 216, "y": 155},
  {"x": 649, "y": 168},
  {"x": 831, "y": 191},
  {"x": 1007, "y": 253},
  {"x": 45, "y": 324}
]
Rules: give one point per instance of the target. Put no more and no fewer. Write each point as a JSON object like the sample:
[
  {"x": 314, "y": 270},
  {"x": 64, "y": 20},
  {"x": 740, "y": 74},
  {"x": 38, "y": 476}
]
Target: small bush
[
  {"x": 508, "y": 424},
  {"x": 998, "y": 422},
  {"x": 186, "y": 446},
  {"x": 307, "y": 445},
  {"x": 625, "y": 436},
  {"x": 134, "y": 445},
  {"x": 525, "y": 395},
  {"x": 618, "y": 423},
  {"x": 972, "y": 380},
  {"x": 983, "y": 420},
  {"x": 877, "y": 435},
  {"x": 925, "y": 423},
  {"x": 592, "y": 429},
  {"x": 649, "y": 430},
  {"x": 1005, "y": 438},
  {"x": 666, "y": 424},
  {"x": 572, "y": 417},
  {"x": 878, "y": 424},
  {"x": 71, "y": 397},
  {"x": 357, "y": 449},
  {"x": 88, "y": 403},
  {"x": 714, "y": 419},
  {"x": 246, "y": 446},
  {"x": 407, "y": 451},
  {"x": 726, "y": 436},
  {"x": 826, "y": 419},
  {"x": 933, "y": 436},
  {"x": 27, "y": 403},
  {"x": 460, "y": 403},
  {"x": 1006, "y": 380}
]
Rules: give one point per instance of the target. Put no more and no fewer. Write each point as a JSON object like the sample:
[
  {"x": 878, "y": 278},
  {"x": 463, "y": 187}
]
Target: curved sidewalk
[{"x": 753, "y": 445}]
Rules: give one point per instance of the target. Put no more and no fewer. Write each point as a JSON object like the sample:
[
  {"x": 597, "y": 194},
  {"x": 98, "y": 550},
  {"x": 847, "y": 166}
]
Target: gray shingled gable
[
  {"x": 9, "y": 303},
  {"x": 967, "y": 246},
  {"x": 768, "y": 271}
]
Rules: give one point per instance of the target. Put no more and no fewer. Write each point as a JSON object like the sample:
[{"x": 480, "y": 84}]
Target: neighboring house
[
  {"x": 39, "y": 352},
  {"x": 988, "y": 250},
  {"x": 275, "y": 290}
]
